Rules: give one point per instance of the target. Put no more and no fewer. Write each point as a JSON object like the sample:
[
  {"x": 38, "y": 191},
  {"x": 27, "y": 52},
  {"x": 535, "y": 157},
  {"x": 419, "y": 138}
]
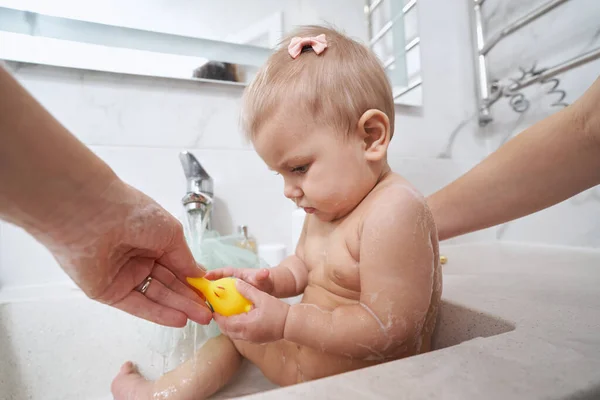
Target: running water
[
  {"x": 195, "y": 227},
  {"x": 174, "y": 346},
  {"x": 177, "y": 345}
]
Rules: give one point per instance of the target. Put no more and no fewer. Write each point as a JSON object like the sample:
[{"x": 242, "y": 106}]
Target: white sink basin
[{"x": 516, "y": 322}]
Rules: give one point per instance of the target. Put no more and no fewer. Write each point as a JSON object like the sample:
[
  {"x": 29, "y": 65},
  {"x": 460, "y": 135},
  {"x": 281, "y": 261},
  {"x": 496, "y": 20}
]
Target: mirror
[{"x": 219, "y": 41}]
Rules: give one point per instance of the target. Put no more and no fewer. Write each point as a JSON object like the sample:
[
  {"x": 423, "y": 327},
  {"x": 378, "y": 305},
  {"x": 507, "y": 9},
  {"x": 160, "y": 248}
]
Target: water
[
  {"x": 195, "y": 336},
  {"x": 194, "y": 229},
  {"x": 174, "y": 346}
]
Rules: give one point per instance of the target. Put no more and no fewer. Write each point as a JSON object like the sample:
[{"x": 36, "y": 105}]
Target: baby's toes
[
  {"x": 127, "y": 368},
  {"x": 129, "y": 384}
]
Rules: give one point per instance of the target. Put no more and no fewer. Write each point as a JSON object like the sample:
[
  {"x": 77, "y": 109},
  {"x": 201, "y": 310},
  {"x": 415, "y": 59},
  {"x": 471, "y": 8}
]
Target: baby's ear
[{"x": 374, "y": 128}]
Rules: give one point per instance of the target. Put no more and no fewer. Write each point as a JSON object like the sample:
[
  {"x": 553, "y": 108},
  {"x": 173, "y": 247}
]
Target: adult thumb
[{"x": 178, "y": 259}]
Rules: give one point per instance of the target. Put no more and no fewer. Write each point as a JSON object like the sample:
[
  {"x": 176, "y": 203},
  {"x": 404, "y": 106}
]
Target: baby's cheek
[
  {"x": 317, "y": 187},
  {"x": 339, "y": 183},
  {"x": 331, "y": 195}
]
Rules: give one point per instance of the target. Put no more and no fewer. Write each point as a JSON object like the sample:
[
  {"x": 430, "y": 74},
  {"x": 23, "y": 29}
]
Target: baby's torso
[{"x": 331, "y": 252}]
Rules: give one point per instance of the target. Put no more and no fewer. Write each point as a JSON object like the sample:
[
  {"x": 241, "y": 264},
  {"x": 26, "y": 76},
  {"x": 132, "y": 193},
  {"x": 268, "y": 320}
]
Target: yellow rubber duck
[{"x": 222, "y": 296}]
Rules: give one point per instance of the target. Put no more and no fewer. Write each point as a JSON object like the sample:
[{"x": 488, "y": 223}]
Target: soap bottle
[{"x": 246, "y": 241}]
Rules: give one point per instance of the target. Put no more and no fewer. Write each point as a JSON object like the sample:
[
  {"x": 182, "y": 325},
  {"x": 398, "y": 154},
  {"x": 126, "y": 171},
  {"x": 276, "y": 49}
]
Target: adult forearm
[
  {"x": 46, "y": 174},
  {"x": 546, "y": 164}
]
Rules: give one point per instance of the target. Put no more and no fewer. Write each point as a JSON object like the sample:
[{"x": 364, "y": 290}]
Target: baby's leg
[
  {"x": 199, "y": 377},
  {"x": 278, "y": 361},
  {"x": 285, "y": 363}
]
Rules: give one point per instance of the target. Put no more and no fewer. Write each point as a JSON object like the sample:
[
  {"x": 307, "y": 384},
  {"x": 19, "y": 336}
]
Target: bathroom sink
[
  {"x": 457, "y": 324},
  {"x": 40, "y": 327},
  {"x": 516, "y": 322}
]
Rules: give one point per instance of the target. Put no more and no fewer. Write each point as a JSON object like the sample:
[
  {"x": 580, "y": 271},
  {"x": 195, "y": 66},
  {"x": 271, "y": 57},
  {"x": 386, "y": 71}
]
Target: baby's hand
[
  {"x": 264, "y": 323},
  {"x": 259, "y": 278}
]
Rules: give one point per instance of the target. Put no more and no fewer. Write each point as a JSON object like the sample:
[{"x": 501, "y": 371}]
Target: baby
[{"x": 320, "y": 113}]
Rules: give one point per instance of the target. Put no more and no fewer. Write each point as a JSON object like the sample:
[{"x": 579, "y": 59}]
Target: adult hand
[
  {"x": 112, "y": 247},
  {"x": 106, "y": 235}
]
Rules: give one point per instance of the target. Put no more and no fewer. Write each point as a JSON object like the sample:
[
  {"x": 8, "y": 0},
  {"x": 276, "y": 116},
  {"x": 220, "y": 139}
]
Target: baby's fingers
[
  {"x": 254, "y": 277},
  {"x": 262, "y": 274},
  {"x": 220, "y": 273}
]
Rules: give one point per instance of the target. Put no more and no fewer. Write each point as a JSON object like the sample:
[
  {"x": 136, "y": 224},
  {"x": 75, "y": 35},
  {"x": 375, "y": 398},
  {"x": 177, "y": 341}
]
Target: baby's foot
[{"x": 130, "y": 385}]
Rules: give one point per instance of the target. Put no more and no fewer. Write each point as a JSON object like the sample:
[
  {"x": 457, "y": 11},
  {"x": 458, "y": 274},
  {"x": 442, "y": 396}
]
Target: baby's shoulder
[
  {"x": 395, "y": 196},
  {"x": 394, "y": 205}
]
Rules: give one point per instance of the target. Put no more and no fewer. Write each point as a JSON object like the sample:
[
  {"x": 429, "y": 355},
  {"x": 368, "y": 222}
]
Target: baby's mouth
[{"x": 308, "y": 210}]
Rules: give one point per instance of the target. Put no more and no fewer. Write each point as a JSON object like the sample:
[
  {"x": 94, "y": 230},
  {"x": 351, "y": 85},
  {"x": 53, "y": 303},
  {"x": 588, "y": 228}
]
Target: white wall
[
  {"x": 569, "y": 30},
  {"x": 139, "y": 124}
]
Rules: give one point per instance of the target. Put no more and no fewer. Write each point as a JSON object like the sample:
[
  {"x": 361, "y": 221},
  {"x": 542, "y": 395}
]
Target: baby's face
[{"x": 324, "y": 172}]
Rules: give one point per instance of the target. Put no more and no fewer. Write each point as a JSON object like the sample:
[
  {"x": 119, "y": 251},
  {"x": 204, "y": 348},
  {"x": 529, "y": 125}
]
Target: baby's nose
[{"x": 292, "y": 192}]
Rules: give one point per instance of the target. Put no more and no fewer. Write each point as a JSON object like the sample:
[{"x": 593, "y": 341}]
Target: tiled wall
[{"x": 138, "y": 125}]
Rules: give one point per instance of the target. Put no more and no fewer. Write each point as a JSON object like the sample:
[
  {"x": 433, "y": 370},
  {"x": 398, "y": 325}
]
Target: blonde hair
[{"x": 334, "y": 88}]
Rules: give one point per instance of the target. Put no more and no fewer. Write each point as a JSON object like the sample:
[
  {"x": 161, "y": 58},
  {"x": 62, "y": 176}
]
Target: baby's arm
[
  {"x": 396, "y": 274},
  {"x": 289, "y": 278}
]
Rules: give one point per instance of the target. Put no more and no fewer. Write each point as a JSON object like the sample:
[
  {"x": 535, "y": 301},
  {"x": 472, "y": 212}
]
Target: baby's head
[{"x": 323, "y": 121}]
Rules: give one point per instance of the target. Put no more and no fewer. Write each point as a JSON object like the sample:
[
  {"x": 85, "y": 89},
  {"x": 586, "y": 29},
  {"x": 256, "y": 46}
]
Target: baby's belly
[{"x": 328, "y": 299}]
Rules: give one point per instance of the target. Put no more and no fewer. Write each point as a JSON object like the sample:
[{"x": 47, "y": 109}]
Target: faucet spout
[
  {"x": 199, "y": 192},
  {"x": 198, "y": 180}
]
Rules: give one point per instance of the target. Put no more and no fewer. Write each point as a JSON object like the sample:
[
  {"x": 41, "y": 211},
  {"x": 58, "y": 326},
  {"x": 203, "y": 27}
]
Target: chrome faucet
[{"x": 199, "y": 195}]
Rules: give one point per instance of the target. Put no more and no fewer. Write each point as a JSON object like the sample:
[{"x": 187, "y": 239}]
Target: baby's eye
[{"x": 301, "y": 169}]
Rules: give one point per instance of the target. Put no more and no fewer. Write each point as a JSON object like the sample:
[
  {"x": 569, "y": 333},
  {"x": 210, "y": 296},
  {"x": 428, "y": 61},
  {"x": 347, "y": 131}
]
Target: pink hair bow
[{"x": 318, "y": 44}]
